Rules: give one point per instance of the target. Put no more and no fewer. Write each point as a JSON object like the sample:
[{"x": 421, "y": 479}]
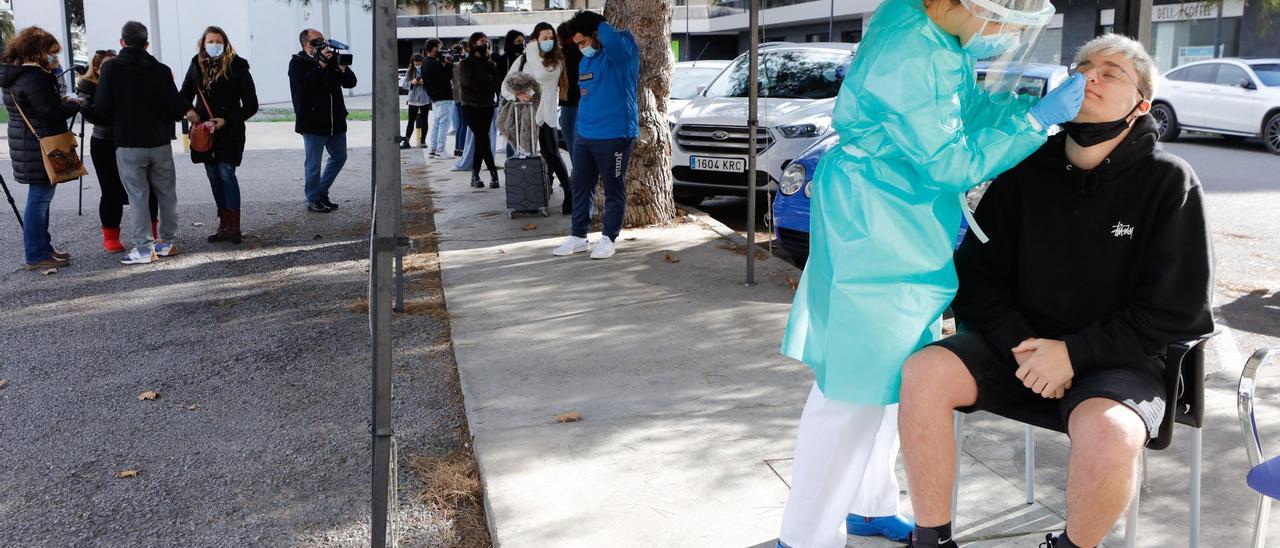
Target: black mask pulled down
[{"x": 1090, "y": 134}]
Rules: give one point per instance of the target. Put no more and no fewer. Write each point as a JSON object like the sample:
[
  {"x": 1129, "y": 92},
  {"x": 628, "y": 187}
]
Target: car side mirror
[
  {"x": 702, "y": 88},
  {"x": 1246, "y": 84}
]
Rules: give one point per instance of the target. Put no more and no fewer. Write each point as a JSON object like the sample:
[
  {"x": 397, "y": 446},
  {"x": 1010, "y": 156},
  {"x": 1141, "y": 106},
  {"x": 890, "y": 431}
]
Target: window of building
[
  {"x": 817, "y": 37},
  {"x": 851, "y": 36},
  {"x": 1177, "y": 43}
]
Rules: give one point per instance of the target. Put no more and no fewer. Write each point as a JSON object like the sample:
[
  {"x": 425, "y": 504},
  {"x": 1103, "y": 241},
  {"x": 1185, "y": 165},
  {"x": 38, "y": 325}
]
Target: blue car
[{"x": 791, "y": 207}]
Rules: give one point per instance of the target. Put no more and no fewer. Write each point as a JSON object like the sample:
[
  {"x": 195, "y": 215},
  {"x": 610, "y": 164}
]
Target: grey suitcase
[{"x": 528, "y": 181}]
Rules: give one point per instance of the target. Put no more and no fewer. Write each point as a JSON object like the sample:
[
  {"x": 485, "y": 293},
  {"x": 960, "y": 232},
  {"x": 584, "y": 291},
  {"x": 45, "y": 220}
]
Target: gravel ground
[{"x": 260, "y": 434}]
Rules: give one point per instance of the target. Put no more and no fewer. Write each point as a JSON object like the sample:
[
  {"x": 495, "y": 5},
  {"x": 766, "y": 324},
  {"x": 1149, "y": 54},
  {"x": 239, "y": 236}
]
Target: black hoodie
[
  {"x": 1116, "y": 261},
  {"x": 137, "y": 96},
  {"x": 318, "y": 106}
]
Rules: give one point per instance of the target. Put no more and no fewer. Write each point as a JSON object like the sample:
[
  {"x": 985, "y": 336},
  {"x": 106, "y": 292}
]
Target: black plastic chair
[{"x": 1184, "y": 377}]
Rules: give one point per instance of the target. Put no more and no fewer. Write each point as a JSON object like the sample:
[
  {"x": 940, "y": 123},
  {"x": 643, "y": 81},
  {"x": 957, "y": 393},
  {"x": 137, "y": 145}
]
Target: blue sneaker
[{"x": 895, "y": 528}]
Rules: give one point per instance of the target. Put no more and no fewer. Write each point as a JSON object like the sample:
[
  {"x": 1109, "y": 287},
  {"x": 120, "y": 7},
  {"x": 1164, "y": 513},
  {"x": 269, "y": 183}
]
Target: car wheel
[
  {"x": 691, "y": 200},
  {"x": 1271, "y": 133},
  {"x": 1166, "y": 122}
]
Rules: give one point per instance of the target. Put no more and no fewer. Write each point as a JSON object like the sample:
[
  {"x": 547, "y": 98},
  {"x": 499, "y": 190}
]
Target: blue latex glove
[{"x": 1062, "y": 104}]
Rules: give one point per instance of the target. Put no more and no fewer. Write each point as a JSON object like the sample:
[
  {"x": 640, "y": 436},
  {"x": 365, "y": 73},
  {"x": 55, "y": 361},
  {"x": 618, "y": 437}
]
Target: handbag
[
  {"x": 61, "y": 163},
  {"x": 202, "y": 134}
]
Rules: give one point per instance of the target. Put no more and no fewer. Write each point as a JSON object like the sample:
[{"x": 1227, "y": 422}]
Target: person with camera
[
  {"x": 136, "y": 94},
  {"x": 29, "y": 85},
  {"x": 438, "y": 76},
  {"x": 317, "y": 76},
  {"x": 102, "y": 150},
  {"x": 480, "y": 83},
  {"x": 218, "y": 83}
]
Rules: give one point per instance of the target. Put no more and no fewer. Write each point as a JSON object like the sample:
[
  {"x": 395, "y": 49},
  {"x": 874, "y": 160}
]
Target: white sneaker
[
  {"x": 165, "y": 249},
  {"x": 136, "y": 257},
  {"x": 571, "y": 245},
  {"x": 603, "y": 249}
]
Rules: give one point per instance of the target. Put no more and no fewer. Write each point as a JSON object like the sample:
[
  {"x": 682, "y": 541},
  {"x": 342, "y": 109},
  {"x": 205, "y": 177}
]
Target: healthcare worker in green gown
[{"x": 917, "y": 129}]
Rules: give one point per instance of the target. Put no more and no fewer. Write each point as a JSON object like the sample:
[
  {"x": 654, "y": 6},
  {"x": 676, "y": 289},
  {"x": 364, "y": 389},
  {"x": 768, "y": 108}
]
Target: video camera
[
  {"x": 455, "y": 53},
  {"x": 326, "y": 48}
]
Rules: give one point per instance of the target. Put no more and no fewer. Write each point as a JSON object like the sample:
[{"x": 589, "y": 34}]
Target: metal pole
[
  {"x": 687, "y": 44},
  {"x": 1217, "y": 32},
  {"x": 383, "y": 242},
  {"x": 831, "y": 23},
  {"x": 80, "y": 185},
  {"x": 753, "y": 97}
]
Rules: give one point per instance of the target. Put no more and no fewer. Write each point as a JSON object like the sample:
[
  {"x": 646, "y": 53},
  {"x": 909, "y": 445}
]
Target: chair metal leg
[
  {"x": 1144, "y": 468},
  {"x": 1029, "y": 462},
  {"x": 1260, "y": 522},
  {"x": 1131, "y": 521},
  {"x": 955, "y": 484},
  {"x": 1197, "y": 439}
]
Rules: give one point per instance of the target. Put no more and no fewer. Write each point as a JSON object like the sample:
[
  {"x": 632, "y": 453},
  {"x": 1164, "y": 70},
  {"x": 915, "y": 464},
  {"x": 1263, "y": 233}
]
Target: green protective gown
[{"x": 915, "y": 131}]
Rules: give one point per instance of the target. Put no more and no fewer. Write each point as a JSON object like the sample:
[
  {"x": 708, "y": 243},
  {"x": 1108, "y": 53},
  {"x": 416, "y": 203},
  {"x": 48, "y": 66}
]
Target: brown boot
[
  {"x": 221, "y": 234},
  {"x": 233, "y": 226}
]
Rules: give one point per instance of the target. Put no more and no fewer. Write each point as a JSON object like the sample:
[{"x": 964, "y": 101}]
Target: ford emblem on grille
[{"x": 720, "y": 135}]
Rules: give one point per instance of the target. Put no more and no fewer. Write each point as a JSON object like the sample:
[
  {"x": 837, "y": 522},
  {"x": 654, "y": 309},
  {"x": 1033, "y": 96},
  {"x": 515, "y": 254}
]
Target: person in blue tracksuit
[{"x": 607, "y": 126}]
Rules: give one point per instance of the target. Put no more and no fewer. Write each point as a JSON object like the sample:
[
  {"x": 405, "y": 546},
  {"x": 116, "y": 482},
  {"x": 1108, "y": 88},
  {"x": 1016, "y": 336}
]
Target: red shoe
[{"x": 111, "y": 240}]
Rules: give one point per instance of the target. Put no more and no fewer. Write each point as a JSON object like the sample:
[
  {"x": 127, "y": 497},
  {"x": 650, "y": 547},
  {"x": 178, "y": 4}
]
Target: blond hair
[{"x": 1115, "y": 44}]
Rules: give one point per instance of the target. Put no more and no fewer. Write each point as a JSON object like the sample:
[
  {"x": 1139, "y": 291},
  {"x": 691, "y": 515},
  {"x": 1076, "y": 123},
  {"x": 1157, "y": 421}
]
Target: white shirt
[{"x": 548, "y": 82}]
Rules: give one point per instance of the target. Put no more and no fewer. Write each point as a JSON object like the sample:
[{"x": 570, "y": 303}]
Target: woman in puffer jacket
[
  {"x": 544, "y": 61},
  {"x": 31, "y": 89}
]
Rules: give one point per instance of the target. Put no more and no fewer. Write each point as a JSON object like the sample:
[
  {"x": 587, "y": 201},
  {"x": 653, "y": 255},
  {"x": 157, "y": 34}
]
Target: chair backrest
[{"x": 1184, "y": 386}]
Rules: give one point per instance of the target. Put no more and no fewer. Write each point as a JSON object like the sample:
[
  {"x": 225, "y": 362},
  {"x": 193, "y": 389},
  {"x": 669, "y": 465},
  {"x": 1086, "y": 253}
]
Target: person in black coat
[
  {"x": 480, "y": 81},
  {"x": 316, "y": 81},
  {"x": 30, "y": 89},
  {"x": 219, "y": 86},
  {"x": 137, "y": 96},
  {"x": 102, "y": 150}
]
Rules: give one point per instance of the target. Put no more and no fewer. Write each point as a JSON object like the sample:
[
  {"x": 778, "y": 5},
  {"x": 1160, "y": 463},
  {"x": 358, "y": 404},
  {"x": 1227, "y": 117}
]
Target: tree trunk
[{"x": 649, "y": 198}]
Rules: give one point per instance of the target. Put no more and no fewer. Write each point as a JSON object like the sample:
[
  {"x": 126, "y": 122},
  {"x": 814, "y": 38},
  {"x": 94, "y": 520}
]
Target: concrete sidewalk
[{"x": 688, "y": 410}]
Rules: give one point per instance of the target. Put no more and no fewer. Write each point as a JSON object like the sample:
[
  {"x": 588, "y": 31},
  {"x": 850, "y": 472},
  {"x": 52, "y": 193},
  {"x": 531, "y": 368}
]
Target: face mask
[
  {"x": 519, "y": 45},
  {"x": 983, "y": 46},
  {"x": 590, "y": 51},
  {"x": 546, "y": 46},
  {"x": 482, "y": 49},
  {"x": 214, "y": 50},
  {"x": 417, "y": 65},
  {"x": 1089, "y": 134}
]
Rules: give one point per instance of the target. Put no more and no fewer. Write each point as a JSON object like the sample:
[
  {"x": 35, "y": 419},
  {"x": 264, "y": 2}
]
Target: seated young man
[{"x": 1099, "y": 258}]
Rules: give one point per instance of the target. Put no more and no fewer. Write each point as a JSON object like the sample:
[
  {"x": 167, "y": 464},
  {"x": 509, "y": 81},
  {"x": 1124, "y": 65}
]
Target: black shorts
[{"x": 1138, "y": 387}]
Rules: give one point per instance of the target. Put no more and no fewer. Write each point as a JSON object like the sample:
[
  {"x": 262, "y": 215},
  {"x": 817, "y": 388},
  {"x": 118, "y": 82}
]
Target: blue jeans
[
  {"x": 439, "y": 135},
  {"x": 606, "y": 160},
  {"x": 224, "y": 183},
  {"x": 35, "y": 223},
  {"x": 569, "y": 125},
  {"x": 317, "y": 185},
  {"x": 459, "y": 128}
]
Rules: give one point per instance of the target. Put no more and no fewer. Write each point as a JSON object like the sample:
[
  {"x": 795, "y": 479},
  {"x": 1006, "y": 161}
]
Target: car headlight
[
  {"x": 792, "y": 179},
  {"x": 808, "y": 190},
  {"x": 806, "y": 130}
]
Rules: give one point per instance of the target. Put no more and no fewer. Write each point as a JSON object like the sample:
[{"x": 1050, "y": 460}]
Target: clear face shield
[{"x": 1006, "y": 38}]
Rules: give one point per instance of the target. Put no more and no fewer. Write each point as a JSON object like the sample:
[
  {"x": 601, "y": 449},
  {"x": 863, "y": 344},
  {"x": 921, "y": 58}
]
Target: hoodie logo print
[{"x": 1121, "y": 230}]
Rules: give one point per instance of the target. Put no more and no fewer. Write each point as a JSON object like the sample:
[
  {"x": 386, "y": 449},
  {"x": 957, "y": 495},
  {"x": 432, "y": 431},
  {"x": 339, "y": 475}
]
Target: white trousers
[{"x": 844, "y": 464}]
